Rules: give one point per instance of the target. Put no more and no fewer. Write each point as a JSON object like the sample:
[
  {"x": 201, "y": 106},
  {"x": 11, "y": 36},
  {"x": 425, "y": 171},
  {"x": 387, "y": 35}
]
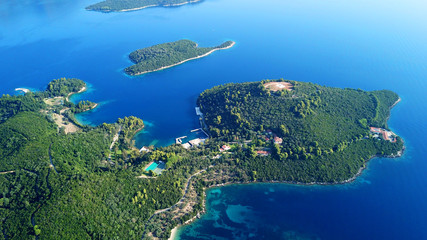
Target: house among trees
[
  {"x": 224, "y": 148},
  {"x": 278, "y": 140},
  {"x": 386, "y": 135},
  {"x": 263, "y": 153}
]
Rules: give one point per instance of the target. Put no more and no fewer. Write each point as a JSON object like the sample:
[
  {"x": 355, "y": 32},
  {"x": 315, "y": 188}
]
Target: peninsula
[
  {"x": 93, "y": 183},
  {"x": 133, "y": 5},
  {"x": 166, "y": 55}
]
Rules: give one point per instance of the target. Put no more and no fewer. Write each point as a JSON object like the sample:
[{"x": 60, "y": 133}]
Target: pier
[
  {"x": 25, "y": 90},
  {"x": 179, "y": 140}
]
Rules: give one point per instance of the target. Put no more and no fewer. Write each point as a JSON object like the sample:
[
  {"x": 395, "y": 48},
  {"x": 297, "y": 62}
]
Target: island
[
  {"x": 166, "y": 55},
  {"x": 94, "y": 183},
  {"x": 133, "y": 5}
]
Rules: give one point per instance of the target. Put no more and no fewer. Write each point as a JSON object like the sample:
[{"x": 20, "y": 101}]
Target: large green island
[
  {"x": 166, "y": 55},
  {"x": 93, "y": 183},
  {"x": 133, "y": 5}
]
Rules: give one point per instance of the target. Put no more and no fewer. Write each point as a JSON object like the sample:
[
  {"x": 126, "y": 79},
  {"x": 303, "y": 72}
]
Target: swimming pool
[{"x": 152, "y": 166}]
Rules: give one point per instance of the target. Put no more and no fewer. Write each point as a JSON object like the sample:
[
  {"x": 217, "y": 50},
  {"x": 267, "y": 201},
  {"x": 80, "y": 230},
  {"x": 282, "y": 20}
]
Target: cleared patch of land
[
  {"x": 54, "y": 101},
  {"x": 277, "y": 86},
  {"x": 61, "y": 119},
  {"x": 64, "y": 122}
]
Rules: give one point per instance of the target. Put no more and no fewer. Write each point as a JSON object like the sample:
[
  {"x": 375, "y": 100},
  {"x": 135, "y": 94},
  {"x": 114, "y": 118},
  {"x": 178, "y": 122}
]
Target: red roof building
[
  {"x": 263, "y": 153},
  {"x": 278, "y": 140}
]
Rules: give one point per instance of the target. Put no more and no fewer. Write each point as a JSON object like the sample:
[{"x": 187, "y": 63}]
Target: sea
[{"x": 364, "y": 44}]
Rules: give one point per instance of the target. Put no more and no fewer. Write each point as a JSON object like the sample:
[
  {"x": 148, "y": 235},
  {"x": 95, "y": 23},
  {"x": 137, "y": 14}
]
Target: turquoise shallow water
[{"x": 358, "y": 44}]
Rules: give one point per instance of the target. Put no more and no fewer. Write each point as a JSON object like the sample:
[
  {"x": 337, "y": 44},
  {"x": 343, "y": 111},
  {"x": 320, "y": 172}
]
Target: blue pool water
[
  {"x": 342, "y": 43},
  {"x": 152, "y": 166}
]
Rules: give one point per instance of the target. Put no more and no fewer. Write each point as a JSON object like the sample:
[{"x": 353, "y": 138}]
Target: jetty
[
  {"x": 198, "y": 112},
  {"x": 179, "y": 140},
  {"x": 144, "y": 149},
  {"x": 25, "y": 90}
]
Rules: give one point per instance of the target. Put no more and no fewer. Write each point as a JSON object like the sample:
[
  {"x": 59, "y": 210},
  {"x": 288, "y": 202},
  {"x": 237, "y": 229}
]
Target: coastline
[
  {"x": 173, "y": 65},
  {"x": 394, "y": 104},
  {"x": 72, "y": 93},
  {"x": 74, "y": 119},
  {"x": 174, "y": 231},
  {"x": 80, "y": 91},
  {"x": 134, "y": 9},
  {"x": 148, "y": 6}
]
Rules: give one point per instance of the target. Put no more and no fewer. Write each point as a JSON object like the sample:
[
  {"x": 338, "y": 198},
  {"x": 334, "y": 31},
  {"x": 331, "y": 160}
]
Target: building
[
  {"x": 376, "y": 130},
  {"x": 263, "y": 153},
  {"x": 144, "y": 149},
  {"x": 278, "y": 140},
  {"x": 224, "y": 148},
  {"x": 386, "y": 135}
]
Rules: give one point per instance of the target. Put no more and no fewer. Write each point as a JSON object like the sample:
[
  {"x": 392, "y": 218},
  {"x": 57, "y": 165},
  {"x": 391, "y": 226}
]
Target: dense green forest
[
  {"x": 167, "y": 54},
  {"x": 55, "y": 185},
  {"x": 325, "y": 130},
  {"x": 64, "y": 86},
  {"x": 122, "y": 5}
]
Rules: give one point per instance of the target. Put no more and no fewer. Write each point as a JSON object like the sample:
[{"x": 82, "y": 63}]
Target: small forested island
[
  {"x": 166, "y": 55},
  {"x": 93, "y": 182},
  {"x": 133, "y": 5}
]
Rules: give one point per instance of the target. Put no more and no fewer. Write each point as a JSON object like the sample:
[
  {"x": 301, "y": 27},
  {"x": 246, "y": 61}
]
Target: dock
[
  {"x": 198, "y": 112},
  {"x": 25, "y": 90},
  {"x": 144, "y": 149},
  {"x": 179, "y": 140}
]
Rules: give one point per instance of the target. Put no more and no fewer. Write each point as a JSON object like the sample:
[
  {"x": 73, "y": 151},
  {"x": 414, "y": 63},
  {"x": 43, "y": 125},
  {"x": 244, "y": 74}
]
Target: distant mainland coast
[
  {"x": 135, "y": 5},
  {"x": 167, "y": 55}
]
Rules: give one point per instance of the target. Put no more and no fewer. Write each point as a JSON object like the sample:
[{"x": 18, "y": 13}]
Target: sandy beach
[
  {"x": 80, "y": 91},
  {"x": 174, "y": 233}
]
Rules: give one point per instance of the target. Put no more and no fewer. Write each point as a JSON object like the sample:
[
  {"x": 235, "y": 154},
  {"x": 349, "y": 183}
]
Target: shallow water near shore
[{"x": 356, "y": 44}]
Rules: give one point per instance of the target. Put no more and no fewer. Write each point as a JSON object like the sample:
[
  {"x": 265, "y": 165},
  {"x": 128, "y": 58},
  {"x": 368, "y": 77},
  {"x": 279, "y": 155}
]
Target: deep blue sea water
[{"x": 342, "y": 43}]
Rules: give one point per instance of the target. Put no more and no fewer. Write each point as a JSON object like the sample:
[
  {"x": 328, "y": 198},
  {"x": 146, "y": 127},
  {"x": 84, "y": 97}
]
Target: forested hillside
[
  {"x": 92, "y": 184},
  {"x": 325, "y": 131},
  {"x": 74, "y": 186}
]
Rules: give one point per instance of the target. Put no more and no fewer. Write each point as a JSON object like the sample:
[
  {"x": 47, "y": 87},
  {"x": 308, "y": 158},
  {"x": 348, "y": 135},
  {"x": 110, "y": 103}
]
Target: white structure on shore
[
  {"x": 25, "y": 90},
  {"x": 198, "y": 112}
]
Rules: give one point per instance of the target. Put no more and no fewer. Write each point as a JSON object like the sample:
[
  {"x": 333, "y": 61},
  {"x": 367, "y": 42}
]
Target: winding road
[
  {"x": 116, "y": 137},
  {"x": 180, "y": 200}
]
